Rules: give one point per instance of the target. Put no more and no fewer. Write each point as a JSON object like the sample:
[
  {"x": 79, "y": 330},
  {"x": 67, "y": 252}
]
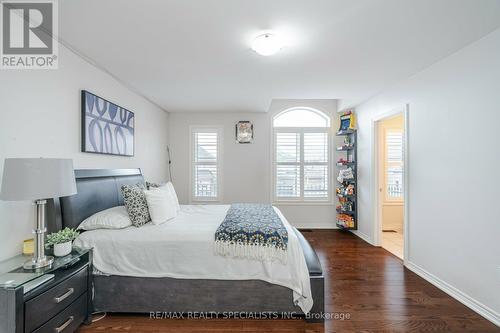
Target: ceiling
[{"x": 194, "y": 55}]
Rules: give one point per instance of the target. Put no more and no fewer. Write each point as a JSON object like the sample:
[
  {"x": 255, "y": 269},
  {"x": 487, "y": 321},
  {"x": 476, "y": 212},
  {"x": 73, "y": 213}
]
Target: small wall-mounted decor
[
  {"x": 106, "y": 127},
  {"x": 244, "y": 132}
]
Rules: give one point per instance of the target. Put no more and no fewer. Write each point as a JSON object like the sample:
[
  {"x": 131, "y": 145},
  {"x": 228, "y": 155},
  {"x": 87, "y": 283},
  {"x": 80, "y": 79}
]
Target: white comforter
[{"x": 183, "y": 248}]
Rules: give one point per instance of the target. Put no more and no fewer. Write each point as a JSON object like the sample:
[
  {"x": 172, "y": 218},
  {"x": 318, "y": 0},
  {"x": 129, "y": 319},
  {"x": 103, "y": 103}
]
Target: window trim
[
  {"x": 301, "y": 200},
  {"x": 220, "y": 137}
]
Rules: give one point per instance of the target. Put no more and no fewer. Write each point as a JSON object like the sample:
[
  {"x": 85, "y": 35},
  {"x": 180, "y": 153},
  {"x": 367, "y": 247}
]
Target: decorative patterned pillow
[{"x": 137, "y": 206}]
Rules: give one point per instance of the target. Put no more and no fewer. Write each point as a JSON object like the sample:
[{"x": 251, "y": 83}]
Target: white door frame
[{"x": 377, "y": 218}]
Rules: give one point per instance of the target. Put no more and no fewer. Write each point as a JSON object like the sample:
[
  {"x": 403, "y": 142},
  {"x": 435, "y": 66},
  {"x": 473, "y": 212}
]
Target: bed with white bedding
[
  {"x": 183, "y": 248},
  {"x": 173, "y": 266}
]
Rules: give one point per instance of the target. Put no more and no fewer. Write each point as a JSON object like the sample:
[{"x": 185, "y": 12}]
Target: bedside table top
[{"x": 13, "y": 275}]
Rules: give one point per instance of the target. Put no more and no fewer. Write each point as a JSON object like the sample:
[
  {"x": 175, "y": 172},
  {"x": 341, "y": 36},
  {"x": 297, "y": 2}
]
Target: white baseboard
[
  {"x": 364, "y": 237},
  {"x": 463, "y": 298}
]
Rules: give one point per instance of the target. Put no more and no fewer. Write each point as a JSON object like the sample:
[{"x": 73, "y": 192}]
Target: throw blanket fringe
[
  {"x": 252, "y": 231},
  {"x": 247, "y": 251}
]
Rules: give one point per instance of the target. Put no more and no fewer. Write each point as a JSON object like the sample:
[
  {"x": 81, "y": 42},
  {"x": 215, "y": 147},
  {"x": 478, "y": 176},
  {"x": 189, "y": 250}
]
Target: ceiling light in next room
[{"x": 267, "y": 44}]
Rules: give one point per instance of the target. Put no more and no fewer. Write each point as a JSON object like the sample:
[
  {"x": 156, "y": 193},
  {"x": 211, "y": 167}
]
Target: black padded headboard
[{"x": 98, "y": 189}]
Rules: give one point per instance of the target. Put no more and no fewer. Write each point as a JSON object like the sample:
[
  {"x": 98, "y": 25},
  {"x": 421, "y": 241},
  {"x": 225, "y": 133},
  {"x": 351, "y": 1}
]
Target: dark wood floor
[{"x": 364, "y": 282}]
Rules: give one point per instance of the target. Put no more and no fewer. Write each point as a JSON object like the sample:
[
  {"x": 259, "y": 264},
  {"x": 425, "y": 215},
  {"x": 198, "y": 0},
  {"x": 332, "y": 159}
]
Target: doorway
[{"x": 390, "y": 144}]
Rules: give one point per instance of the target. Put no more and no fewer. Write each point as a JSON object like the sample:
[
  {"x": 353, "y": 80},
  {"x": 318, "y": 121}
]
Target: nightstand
[{"x": 58, "y": 305}]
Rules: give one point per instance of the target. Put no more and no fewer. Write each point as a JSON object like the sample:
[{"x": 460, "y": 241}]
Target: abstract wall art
[{"x": 106, "y": 127}]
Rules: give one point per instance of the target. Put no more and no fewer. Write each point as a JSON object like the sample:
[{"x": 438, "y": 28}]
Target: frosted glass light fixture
[{"x": 267, "y": 44}]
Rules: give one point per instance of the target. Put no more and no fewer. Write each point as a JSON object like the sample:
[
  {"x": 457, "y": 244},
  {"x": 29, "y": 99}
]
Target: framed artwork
[
  {"x": 106, "y": 127},
  {"x": 244, "y": 132}
]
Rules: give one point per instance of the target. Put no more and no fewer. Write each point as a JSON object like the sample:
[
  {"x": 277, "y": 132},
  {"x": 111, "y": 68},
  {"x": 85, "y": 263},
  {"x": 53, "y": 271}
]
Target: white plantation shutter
[
  {"x": 316, "y": 181},
  {"x": 316, "y": 147},
  {"x": 316, "y": 165},
  {"x": 205, "y": 164},
  {"x": 288, "y": 147},
  {"x": 394, "y": 165},
  {"x": 301, "y": 161},
  {"x": 288, "y": 165},
  {"x": 288, "y": 181}
]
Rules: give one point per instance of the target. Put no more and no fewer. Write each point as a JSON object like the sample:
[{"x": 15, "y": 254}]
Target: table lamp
[{"x": 37, "y": 179}]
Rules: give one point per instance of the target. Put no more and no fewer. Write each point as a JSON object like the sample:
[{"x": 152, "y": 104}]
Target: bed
[{"x": 172, "y": 268}]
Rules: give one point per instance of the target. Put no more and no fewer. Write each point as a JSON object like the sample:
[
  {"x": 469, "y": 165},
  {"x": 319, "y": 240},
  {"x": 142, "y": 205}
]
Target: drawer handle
[
  {"x": 64, "y": 296},
  {"x": 66, "y": 324}
]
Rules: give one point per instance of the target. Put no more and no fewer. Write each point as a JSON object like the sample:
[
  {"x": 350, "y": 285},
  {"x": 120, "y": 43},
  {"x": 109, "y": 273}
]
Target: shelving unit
[{"x": 347, "y": 209}]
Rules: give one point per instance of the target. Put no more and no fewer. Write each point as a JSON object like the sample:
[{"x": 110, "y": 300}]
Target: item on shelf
[
  {"x": 342, "y": 161},
  {"x": 347, "y": 121},
  {"x": 345, "y": 205},
  {"x": 349, "y": 189},
  {"x": 345, "y": 220},
  {"x": 345, "y": 174},
  {"x": 346, "y": 146}
]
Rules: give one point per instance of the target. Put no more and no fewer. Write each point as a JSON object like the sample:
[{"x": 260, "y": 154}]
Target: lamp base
[{"x": 35, "y": 263}]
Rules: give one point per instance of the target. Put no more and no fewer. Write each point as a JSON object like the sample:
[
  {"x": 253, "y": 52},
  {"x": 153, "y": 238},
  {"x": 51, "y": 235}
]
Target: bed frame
[{"x": 99, "y": 189}]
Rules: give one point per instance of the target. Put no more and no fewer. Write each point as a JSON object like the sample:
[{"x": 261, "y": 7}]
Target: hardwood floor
[{"x": 366, "y": 283}]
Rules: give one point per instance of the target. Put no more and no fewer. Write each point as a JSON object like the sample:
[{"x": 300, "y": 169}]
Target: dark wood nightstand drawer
[
  {"x": 69, "y": 319},
  {"x": 45, "y": 306}
]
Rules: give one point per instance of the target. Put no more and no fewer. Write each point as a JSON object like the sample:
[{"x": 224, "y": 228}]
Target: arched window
[
  {"x": 301, "y": 159},
  {"x": 301, "y": 117}
]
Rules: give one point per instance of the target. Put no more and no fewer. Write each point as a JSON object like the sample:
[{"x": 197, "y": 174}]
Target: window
[
  {"x": 394, "y": 165},
  {"x": 301, "y": 163},
  {"x": 205, "y": 164}
]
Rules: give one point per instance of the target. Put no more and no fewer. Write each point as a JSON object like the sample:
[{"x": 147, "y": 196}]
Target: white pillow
[
  {"x": 112, "y": 218},
  {"x": 161, "y": 205},
  {"x": 171, "y": 188}
]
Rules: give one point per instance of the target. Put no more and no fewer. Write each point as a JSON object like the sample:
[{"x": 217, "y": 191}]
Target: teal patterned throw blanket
[{"x": 252, "y": 231}]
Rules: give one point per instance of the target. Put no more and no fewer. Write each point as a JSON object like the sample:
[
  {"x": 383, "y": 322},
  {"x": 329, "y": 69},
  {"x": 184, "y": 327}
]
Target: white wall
[
  {"x": 246, "y": 167},
  {"x": 40, "y": 117},
  {"x": 454, "y": 163}
]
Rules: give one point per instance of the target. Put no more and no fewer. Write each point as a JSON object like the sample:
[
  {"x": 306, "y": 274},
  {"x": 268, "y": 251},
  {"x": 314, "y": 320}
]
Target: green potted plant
[{"x": 62, "y": 241}]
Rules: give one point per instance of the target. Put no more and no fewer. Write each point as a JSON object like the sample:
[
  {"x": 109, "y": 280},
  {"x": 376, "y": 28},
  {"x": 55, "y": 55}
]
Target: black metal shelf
[
  {"x": 349, "y": 221},
  {"x": 346, "y": 132},
  {"x": 348, "y": 212},
  {"x": 346, "y": 163},
  {"x": 345, "y": 228}
]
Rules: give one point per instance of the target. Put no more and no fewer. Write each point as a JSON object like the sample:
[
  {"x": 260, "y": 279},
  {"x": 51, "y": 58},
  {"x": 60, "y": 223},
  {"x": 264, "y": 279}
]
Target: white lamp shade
[{"x": 37, "y": 178}]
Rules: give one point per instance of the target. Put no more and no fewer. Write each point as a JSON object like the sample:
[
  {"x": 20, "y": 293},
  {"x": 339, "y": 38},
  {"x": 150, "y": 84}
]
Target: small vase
[{"x": 63, "y": 249}]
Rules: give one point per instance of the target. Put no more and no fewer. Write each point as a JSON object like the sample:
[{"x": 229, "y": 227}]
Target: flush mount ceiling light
[{"x": 267, "y": 44}]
